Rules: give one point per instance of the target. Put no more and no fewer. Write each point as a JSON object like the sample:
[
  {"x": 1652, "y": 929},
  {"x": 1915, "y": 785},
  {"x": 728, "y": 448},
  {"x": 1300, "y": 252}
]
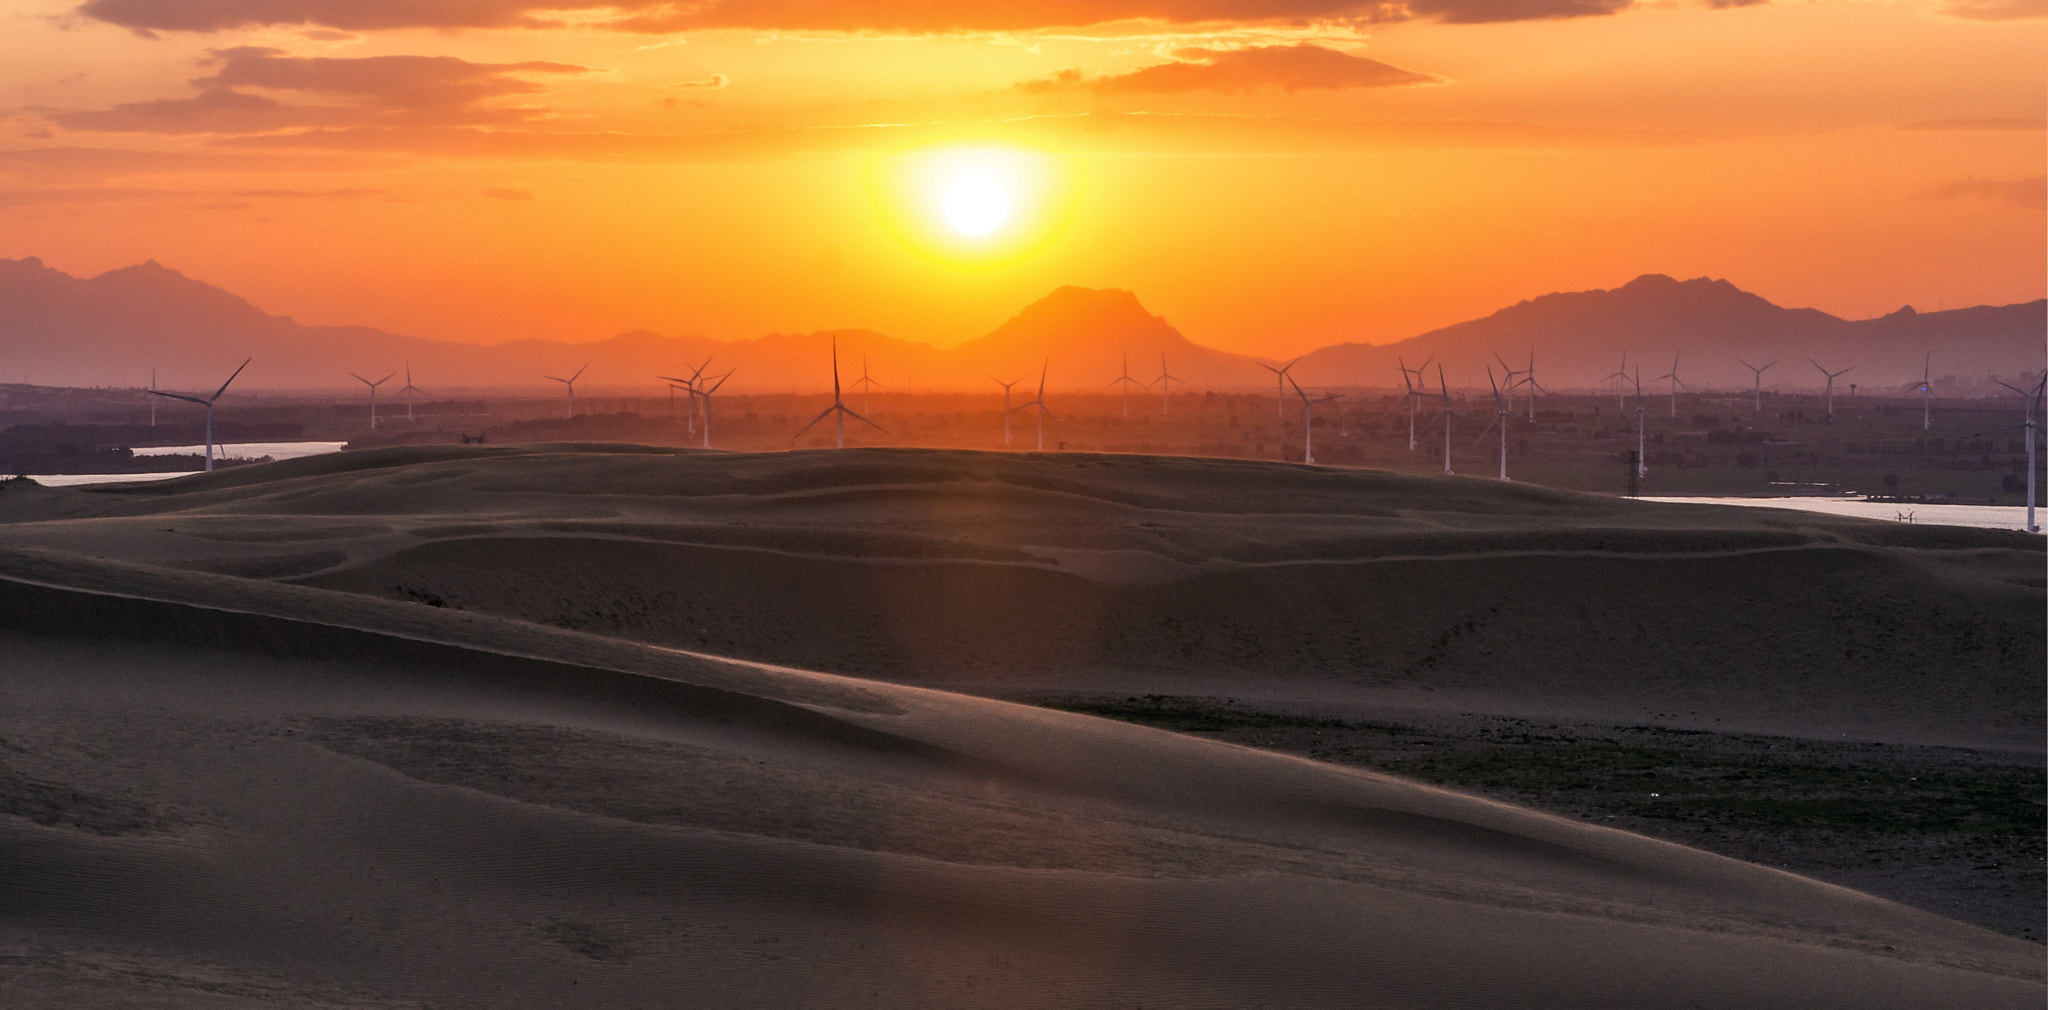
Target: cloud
[
  {"x": 915, "y": 16},
  {"x": 2004, "y": 123},
  {"x": 95, "y": 164},
  {"x": 2030, "y": 193},
  {"x": 714, "y": 81},
  {"x": 1996, "y": 10},
  {"x": 1142, "y": 133},
  {"x": 362, "y": 91},
  {"x": 1292, "y": 67}
]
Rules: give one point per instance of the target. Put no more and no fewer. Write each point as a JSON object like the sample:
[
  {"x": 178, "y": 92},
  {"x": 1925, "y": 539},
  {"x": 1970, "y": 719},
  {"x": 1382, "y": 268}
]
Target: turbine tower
[
  {"x": 689, "y": 384},
  {"x": 1414, "y": 390},
  {"x": 838, "y": 407},
  {"x": 1927, "y": 390},
  {"x": 408, "y": 390},
  {"x": 1675, "y": 384},
  {"x": 2031, "y": 427},
  {"x": 1308, "y": 428},
  {"x": 1758, "y": 388},
  {"x": 1642, "y": 461},
  {"x": 1039, "y": 403},
  {"x": 208, "y": 404},
  {"x": 570, "y": 384},
  {"x": 1832, "y": 376},
  {"x": 373, "y": 395},
  {"x": 1502, "y": 411},
  {"x": 1509, "y": 377},
  {"x": 1445, "y": 416},
  {"x": 1165, "y": 380},
  {"x": 152, "y": 403},
  {"x": 1123, "y": 380},
  {"x": 1279, "y": 386},
  {"x": 1006, "y": 398},
  {"x": 866, "y": 384},
  {"x": 706, "y": 394},
  {"x": 1620, "y": 378}
]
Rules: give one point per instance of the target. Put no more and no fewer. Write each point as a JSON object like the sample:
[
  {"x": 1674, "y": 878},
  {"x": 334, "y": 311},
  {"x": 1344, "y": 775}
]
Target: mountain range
[{"x": 111, "y": 330}]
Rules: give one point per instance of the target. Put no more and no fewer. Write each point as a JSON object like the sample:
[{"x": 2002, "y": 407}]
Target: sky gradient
[{"x": 1269, "y": 176}]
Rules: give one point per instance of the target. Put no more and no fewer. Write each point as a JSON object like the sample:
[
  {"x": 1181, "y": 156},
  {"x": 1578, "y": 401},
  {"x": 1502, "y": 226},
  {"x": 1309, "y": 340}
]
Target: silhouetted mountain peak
[{"x": 1093, "y": 307}]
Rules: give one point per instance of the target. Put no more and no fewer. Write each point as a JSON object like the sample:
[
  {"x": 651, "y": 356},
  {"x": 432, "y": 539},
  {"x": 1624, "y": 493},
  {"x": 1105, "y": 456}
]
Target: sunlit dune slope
[
  {"x": 1012, "y": 573},
  {"x": 229, "y": 792}
]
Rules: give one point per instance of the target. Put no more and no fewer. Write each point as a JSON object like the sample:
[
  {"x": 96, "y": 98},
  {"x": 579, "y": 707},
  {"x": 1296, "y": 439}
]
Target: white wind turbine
[
  {"x": 1123, "y": 380},
  {"x": 706, "y": 394},
  {"x": 408, "y": 390},
  {"x": 1308, "y": 438},
  {"x": 373, "y": 395},
  {"x": 2033, "y": 397},
  {"x": 1620, "y": 378},
  {"x": 1675, "y": 384},
  {"x": 1414, "y": 390},
  {"x": 838, "y": 407},
  {"x": 1279, "y": 386},
  {"x": 1039, "y": 403},
  {"x": 570, "y": 385},
  {"x": 1529, "y": 380},
  {"x": 1445, "y": 416},
  {"x": 1509, "y": 377},
  {"x": 208, "y": 404},
  {"x": 1501, "y": 413},
  {"x": 1832, "y": 376},
  {"x": 1006, "y": 398},
  {"x": 1642, "y": 461},
  {"x": 1758, "y": 387},
  {"x": 1165, "y": 378},
  {"x": 690, "y": 385},
  {"x": 1926, "y": 388},
  {"x": 866, "y": 384}
]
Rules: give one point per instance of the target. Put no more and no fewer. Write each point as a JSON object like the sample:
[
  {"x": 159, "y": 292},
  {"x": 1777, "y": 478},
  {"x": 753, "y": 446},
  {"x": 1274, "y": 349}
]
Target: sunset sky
[{"x": 1269, "y": 176}]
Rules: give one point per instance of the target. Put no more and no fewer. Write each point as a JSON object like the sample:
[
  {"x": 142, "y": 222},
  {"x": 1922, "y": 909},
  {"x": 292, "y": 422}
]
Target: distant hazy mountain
[
  {"x": 1706, "y": 325},
  {"x": 56, "y": 329}
]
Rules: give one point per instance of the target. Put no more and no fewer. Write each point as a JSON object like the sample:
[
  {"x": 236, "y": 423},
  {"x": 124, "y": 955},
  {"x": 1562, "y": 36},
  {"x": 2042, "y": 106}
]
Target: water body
[
  {"x": 1991, "y": 517},
  {"x": 225, "y": 450}
]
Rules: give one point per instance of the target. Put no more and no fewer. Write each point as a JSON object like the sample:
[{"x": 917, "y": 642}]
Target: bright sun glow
[{"x": 976, "y": 205}]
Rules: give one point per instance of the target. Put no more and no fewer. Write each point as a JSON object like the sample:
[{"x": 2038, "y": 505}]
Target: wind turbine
[
  {"x": 1445, "y": 416},
  {"x": 152, "y": 403},
  {"x": 1308, "y": 439},
  {"x": 838, "y": 407},
  {"x": 1529, "y": 379},
  {"x": 1165, "y": 378},
  {"x": 2033, "y": 396},
  {"x": 1620, "y": 377},
  {"x": 570, "y": 383},
  {"x": 1758, "y": 388},
  {"x": 688, "y": 384},
  {"x": 1926, "y": 391},
  {"x": 208, "y": 404},
  {"x": 706, "y": 394},
  {"x": 1414, "y": 391},
  {"x": 373, "y": 395},
  {"x": 1642, "y": 460},
  {"x": 1124, "y": 380},
  {"x": 408, "y": 391},
  {"x": 1832, "y": 376},
  {"x": 1039, "y": 403},
  {"x": 864, "y": 382},
  {"x": 1509, "y": 378},
  {"x": 1675, "y": 384},
  {"x": 1006, "y": 398},
  {"x": 1502, "y": 411},
  {"x": 1279, "y": 386}
]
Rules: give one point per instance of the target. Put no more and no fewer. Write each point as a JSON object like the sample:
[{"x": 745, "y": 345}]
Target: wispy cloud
[
  {"x": 1995, "y": 10},
  {"x": 919, "y": 16},
  {"x": 2003, "y": 123},
  {"x": 438, "y": 90},
  {"x": 2030, "y": 193},
  {"x": 1291, "y": 67}
]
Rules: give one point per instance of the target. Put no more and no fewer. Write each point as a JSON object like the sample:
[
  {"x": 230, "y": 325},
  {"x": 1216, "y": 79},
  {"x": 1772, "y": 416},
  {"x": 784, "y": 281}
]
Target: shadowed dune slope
[
  {"x": 1008, "y": 573},
  {"x": 221, "y": 791}
]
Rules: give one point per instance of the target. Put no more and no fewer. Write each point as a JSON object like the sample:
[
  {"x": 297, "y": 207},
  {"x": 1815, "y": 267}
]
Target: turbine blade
[
  {"x": 177, "y": 396},
  {"x": 827, "y": 412},
  {"x": 224, "y": 386},
  {"x": 849, "y": 412},
  {"x": 579, "y": 372}
]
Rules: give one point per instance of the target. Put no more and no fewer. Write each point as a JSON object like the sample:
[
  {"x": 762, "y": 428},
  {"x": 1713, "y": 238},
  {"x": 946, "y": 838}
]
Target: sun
[{"x": 976, "y": 205}]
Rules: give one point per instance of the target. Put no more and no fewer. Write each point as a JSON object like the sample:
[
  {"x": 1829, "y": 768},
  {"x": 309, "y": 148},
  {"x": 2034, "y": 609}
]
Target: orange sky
[{"x": 732, "y": 167}]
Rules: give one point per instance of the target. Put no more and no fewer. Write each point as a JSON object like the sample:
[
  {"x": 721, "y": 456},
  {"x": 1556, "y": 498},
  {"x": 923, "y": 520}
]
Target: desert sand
[{"x": 602, "y": 725}]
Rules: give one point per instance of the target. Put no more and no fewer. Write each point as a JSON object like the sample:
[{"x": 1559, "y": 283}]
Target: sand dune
[{"x": 348, "y": 775}]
